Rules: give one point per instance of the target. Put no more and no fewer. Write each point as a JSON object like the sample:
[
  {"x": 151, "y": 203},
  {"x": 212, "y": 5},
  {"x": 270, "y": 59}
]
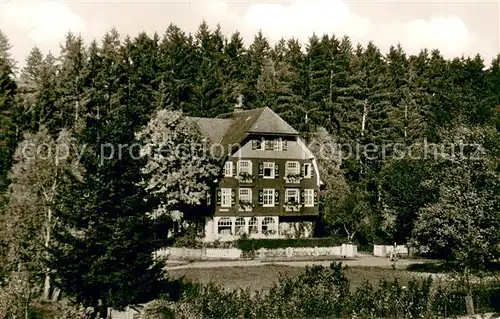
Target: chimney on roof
[{"x": 239, "y": 106}]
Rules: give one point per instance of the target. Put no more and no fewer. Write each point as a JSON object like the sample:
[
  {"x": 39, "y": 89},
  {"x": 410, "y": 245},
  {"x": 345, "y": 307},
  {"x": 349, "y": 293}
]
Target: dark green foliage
[
  {"x": 324, "y": 292},
  {"x": 359, "y": 94},
  {"x": 8, "y": 128},
  {"x": 105, "y": 238}
]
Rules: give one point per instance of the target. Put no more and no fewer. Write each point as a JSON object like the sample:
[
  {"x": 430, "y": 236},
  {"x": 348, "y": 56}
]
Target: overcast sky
[{"x": 454, "y": 27}]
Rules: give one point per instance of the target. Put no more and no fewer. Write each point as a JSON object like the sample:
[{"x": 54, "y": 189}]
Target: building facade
[{"x": 270, "y": 182}]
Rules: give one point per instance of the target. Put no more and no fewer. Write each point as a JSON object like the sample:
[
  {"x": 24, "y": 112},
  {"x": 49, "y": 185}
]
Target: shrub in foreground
[{"x": 323, "y": 292}]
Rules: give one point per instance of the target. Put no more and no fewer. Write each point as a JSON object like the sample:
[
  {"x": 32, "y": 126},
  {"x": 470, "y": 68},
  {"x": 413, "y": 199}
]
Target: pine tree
[
  {"x": 294, "y": 79},
  {"x": 351, "y": 104},
  {"x": 283, "y": 100},
  {"x": 178, "y": 67},
  {"x": 339, "y": 83},
  {"x": 69, "y": 84},
  {"x": 105, "y": 238},
  {"x": 207, "y": 97},
  {"x": 493, "y": 76},
  {"x": 144, "y": 91},
  {"x": 319, "y": 68},
  {"x": 8, "y": 112},
  {"x": 31, "y": 72},
  {"x": 5, "y": 54},
  {"x": 255, "y": 59},
  {"x": 234, "y": 68},
  {"x": 37, "y": 92},
  {"x": 439, "y": 87}
]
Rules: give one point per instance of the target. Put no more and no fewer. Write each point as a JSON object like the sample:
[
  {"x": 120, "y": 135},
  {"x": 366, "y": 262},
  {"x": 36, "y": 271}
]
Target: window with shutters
[
  {"x": 225, "y": 197},
  {"x": 309, "y": 198},
  {"x": 228, "y": 169},
  {"x": 268, "y": 197},
  {"x": 269, "y": 170},
  {"x": 307, "y": 170}
]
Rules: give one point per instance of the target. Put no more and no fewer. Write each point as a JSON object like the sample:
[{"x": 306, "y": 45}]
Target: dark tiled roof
[
  {"x": 271, "y": 123},
  {"x": 214, "y": 129},
  {"x": 235, "y": 127}
]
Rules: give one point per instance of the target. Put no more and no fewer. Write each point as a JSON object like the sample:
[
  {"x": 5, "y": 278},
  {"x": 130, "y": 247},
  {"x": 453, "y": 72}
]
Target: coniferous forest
[{"x": 85, "y": 227}]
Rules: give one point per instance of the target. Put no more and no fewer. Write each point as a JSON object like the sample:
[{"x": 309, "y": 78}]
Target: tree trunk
[
  {"x": 363, "y": 121},
  {"x": 469, "y": 302},
  {"x": 406, "y": 118},
  {"x": 331, "y": 86},
  {"x": 77, "y": 109},
  {"x": 350, "y": 235},
  {"x": 26, "y": 308},
  {"x": 46, "y": 284}
]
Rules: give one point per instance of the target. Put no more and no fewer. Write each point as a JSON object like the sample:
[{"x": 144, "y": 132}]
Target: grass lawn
[{"x": 262, "y": 277}]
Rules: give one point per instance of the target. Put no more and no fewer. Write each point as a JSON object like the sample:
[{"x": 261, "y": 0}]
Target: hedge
[{"x": 247, "y": 245}]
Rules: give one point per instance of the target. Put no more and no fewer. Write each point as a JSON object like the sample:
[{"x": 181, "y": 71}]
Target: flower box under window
[
  {"x": 245, "y": 205},
  {"x": 292, "y": 206},
  {"x": 293, "y": 178},
  {"x": 246, "y": 178}
]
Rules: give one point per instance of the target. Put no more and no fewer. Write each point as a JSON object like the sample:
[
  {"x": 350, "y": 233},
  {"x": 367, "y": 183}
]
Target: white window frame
[
  {"x": 261, "y": 143},
  {"x": 269, "y": 142},
  {"x": 245, "y": 168},
  {"x": 292, "y": 170},
  {"x": 225, "y": 197},
  {"x": 268, "y": 192},
  {"x": 309, "y": 175},
  {"x": 270, "y": 226},
  {"x": 228, "y": 169},
  {"x": 246, "y": 197},
  {"x": 292, "y": 192},
  {"x": 253, "y": 225},
  {"x": 224, "y": 223},
  {"x": 309, "y": 197},
  {"x": 239, "y": 226},
  {"x": 278, "y": 144},
  {"x": 271, "y": 166}
]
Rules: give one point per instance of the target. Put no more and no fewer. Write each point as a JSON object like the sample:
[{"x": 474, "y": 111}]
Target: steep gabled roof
[
  {"x": 237, "y": 126},
  {"x": 271, "y": 123}
]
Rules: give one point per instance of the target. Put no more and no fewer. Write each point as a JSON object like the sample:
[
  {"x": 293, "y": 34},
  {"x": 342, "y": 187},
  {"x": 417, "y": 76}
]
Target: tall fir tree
[
  {"x": 69, "y": 83},
  {"x": 177, "y": 66},
  {"x": 5, "y": 53},
  {"x": 256, "y": 56},
  {"x": 233, "y": 68},
  {"x": 105, "y": 237},
  {"x": 8, "y": 112},
  {"x": 207, "y": 98}
]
